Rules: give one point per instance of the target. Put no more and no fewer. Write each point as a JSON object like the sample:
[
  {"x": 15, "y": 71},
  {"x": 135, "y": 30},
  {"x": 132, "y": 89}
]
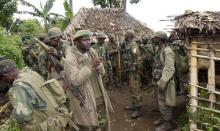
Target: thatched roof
[
  {"x": 113, "y": 21},
  {"x": 206, "y": 22}
]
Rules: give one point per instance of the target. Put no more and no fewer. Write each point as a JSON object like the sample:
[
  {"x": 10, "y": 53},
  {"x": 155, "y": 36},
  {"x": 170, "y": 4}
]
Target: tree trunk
[
  {"x": 71, "y": 4},
  {"x": 110, "y": 3},
  {"x": 124, "y": 4}
]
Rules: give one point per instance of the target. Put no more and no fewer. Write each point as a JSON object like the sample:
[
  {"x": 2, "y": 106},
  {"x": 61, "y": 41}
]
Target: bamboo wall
[{"x": 204, "y": 96}]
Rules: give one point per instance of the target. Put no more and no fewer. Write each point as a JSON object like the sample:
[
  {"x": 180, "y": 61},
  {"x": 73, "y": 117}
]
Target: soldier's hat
[
  {"x": 82, "y": 33},
  {"x": 161, "y": 35},
  {"x": 54, "y": 32},
  {"x": 100, "y": 35},
  {"x": 6, "y": 66}
]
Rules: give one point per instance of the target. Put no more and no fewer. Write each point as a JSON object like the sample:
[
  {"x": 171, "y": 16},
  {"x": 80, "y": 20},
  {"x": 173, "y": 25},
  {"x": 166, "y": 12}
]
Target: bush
[{"x": 10, "y": 46}]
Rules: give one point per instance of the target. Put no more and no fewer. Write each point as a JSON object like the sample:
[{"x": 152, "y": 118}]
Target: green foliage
[
  {"x": 30, "y": 27},
  {"x": 62, "y": 22},
  {"x": 10, "y": 126},
  {"x": 134, "y": 1},
  {"x": 112, "y": 3},
  {"x": 7, "y": 8},
  {"x": 107, "y": 3},
  {"x": 10, "y": 46},
  {"x": 43, "y": 12}
]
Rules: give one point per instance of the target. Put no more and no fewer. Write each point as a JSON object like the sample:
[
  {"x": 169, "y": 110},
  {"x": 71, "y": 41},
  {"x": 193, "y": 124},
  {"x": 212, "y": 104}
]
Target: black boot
[
  {"x": 137, "y": 113},
  {"x": 166, "y": 126},
  {"x": 130, "y": 107}
]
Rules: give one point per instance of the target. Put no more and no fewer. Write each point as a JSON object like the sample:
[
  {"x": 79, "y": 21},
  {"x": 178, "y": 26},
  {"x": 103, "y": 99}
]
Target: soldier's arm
[
  {"x": 77, "y": 76},
  {"x": 42, "y": 64},
  {"x": 169, "y": 67},
  {"x": 23, "y": 99}
]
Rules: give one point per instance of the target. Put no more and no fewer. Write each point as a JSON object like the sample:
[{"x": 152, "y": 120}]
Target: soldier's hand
[
  {"x": 53, "y": 51},
  {"x": 95, "y": 63}
]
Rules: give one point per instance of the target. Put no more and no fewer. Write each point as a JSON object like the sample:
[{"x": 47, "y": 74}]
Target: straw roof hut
[
  {"x": 195, "y": 22},
  {"x": 201, "y": 33},
  {"x": 111, "y": 21}
]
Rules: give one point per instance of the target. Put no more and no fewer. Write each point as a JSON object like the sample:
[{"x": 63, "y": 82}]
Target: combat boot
[
  {"x": 159, "y": 121},
  {"x": 130, "y": 107},
  {"x": 137, "y": 113},
  {"x": 166, "y": 126}
]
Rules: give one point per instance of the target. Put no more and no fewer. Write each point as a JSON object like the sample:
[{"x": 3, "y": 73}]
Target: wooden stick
[
  {"x": 206, "y": 57},
  {"x": 208, "y": 109},
  {"x": 207, "y": 124},
  {"x": 211, "y": 78},
  {"x": 206, "y": 100},
  {"x": 193, "y": 80},
  {"x": 204, "y": 43},
  {"x": 200, "y": 49},
  {"x": 5, "y": 107},
  {"x": 216, "y": 92}
]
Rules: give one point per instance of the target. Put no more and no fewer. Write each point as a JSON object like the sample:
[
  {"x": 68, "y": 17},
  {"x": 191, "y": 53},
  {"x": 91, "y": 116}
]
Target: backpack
[
  {"x": 181, "y": 58},
  {"x": 53, "y": 94}
]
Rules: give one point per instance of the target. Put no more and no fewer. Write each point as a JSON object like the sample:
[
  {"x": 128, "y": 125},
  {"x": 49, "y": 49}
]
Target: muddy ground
[{"x": 120, "y": 118}]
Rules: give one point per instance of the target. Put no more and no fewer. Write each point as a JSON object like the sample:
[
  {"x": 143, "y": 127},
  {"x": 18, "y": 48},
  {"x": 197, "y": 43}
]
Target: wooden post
[
  {"x": 71, "y": 36},
  {"x": 193, "y": 80},
  {"x": 211, "y": 76}
]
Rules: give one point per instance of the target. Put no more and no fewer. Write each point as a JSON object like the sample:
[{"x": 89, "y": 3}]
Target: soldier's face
[
  {"x": 84, "y": 44},
  {"x": 11, "y": 75},
  {"x": 54, "y": 41},
  {"x": 101, "y": 40},
  {"x": 156, "y": 40}
]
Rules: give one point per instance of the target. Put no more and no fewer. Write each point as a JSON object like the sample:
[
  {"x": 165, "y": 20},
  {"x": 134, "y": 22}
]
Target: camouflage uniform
[
  {"x": 134, "y": 64},
  {"x": 147, "y": 53},
  {"x": 44, "y": 65},
  {"x": 113, "y": 50},
  {"x": 31, "y": 52},
  {"x": 101, "y": 49},
  {"x": 164, "y": 68},
  {"x": 31, "y": 109}
]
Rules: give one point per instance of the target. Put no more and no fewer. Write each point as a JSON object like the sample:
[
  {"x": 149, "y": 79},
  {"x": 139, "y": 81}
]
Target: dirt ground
[{"x": 120, "y": 120}]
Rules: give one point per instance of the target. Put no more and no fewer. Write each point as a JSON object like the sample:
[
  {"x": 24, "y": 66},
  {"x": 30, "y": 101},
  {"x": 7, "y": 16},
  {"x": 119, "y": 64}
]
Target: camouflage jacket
[
  {"x": 132, "y": 57},
  {"x": 43, "y": 62}
]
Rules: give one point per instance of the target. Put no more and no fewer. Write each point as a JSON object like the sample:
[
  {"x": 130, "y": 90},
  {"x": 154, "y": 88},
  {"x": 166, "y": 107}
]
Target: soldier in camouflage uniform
[
  {"x": 134, "y": 63},
  {"x": 31, "y": 52},
  {"x": 163, "y": 74},
  {"x": 58, "y": 49},
  {"x": 31, "y": 110},
  {"x": 101, "y": 49},
  {"x": 114, "y": 50},
  {"x": 147, "y": 53}
]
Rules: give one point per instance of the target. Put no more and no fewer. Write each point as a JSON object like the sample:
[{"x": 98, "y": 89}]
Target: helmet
[
  {"x": 42, "y": 36},
  {"x": 82, "y": 33},
  {"x": 100, "y": 35},
  {"x": 130, "y": 33},
  {"x": 161, "y": 35},
  {"x": 54, "y": 32},
  {"x": 6, "y": 66}
]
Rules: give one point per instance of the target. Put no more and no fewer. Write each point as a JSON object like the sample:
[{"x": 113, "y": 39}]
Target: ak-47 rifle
[
  {"x": 119, "y": 60},
  {"x": 54, "y": 62},
  {"x": 77, "y": 93}
]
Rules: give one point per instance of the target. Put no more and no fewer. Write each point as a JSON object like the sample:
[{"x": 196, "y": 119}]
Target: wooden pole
[
  {"x": 194, "y": 81},
  {"x": 211, "y": 76}
]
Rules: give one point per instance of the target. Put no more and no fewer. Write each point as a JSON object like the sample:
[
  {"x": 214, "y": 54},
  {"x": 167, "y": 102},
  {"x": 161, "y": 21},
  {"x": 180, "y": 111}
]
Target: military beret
[
  {"x": 160, "y": 34},
  {"x": 101, "y": 35},
  {"x": 6, "y": 66},
  {"x": 82, "y": 33}
]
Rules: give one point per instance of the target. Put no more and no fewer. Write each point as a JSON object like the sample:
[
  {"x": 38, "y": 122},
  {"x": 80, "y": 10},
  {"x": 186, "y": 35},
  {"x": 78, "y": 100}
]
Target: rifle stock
[
  {"x": 51, "y": 58},
  {"x": 44, "y": 46}
]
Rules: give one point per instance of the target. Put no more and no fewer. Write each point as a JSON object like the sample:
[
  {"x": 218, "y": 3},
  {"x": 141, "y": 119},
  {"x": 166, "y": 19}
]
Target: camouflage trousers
[
  {"x": 135, "y": 87},
  {"x": 165, "y": 110},
  {"x": 101, "y": 118}
]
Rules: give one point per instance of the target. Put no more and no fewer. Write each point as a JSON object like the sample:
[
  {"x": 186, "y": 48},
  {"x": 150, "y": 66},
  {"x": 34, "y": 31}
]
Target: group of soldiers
[{"x": 64, "y": 85}]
